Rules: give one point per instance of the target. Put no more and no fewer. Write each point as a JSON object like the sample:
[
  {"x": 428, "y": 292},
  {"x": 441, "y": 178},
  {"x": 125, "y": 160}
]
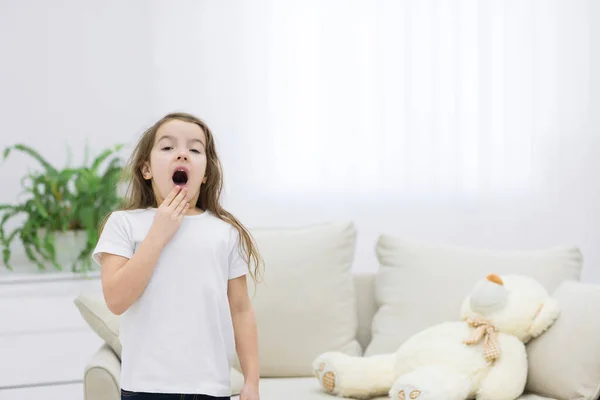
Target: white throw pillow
[
  {"x": 564, "y": 362},
  {"x": 421, "y": 285},
  {"x": 307, "y": 303}
]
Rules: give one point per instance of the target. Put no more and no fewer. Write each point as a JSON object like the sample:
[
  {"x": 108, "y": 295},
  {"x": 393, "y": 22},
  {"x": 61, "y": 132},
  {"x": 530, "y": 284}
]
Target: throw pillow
[
  {"x": 564, "y": 363},
  {"x": 421, "y": 285},
  {"x": 306, "y": 304}
]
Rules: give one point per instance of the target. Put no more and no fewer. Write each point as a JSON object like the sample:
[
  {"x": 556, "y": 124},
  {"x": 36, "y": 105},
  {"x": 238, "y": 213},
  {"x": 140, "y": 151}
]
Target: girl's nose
[{"x": 182, "y": 156}]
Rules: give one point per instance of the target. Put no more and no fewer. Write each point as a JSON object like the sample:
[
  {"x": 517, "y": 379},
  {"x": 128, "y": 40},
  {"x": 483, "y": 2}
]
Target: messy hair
[{"x": 140, "y": 195}]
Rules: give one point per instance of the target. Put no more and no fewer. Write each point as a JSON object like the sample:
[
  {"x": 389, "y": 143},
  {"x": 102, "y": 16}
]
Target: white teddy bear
[{"x": 482, "y": 357}]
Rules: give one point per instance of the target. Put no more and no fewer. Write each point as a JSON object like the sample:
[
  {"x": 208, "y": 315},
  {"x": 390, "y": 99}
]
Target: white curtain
[
  {"x": 460, "y": 121},
  {"x": 420, "y": 99}
]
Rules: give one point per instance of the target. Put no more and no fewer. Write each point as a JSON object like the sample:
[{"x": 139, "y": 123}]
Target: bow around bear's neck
[{"x": 486, "y": 330}]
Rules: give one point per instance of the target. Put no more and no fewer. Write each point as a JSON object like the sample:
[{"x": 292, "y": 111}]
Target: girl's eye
[
  {"x": 167, "y": 148},
  {"x": 195, "y": 151}
]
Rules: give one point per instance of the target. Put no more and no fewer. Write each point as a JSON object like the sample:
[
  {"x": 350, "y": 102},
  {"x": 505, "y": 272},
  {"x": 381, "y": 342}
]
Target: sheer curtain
[
  {"x": 465, "y": 122},
  {"x": 421, "y": 99}
]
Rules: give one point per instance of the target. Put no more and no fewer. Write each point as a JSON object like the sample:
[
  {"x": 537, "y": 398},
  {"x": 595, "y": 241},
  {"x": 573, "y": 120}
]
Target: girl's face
[{"x": 178, "y": 157}]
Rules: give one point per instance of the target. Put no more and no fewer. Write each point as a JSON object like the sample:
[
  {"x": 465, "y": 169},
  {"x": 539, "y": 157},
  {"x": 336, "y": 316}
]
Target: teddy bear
[{"x": 482, "y": 356}]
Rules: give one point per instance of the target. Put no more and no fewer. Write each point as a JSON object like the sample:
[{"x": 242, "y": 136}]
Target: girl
[{"x": 174, "y": 264}]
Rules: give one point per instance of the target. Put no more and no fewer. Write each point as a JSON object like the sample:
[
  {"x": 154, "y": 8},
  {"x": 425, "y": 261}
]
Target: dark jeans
[{"x": 127, "y": 395}]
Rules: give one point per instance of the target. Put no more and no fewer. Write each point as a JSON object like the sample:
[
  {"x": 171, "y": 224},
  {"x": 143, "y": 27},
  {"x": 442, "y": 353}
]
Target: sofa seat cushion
[
  {"x": 295, "y": 389},
  {"x": 309, "y": 389}
]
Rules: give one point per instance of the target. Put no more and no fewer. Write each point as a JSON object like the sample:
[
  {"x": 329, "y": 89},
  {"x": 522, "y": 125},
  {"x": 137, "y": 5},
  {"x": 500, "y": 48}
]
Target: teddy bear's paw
[
  {"x": 325, "y": 372},
  {"x": 416, "y": 386},
  {"x": 408, "y": 392},
  {"x": 430, "y": 383}
]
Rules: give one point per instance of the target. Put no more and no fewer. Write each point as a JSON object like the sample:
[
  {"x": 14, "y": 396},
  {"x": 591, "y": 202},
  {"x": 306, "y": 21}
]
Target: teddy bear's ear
[{"x": 545, "y": 317}]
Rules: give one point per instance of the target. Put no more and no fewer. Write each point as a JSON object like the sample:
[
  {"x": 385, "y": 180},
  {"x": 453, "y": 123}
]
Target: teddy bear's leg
[
  {"x": 356, "y": 377},
  {"x": 431, "y": 383}
]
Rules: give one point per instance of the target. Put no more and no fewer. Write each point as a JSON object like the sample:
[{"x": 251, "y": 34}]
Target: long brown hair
[{"x": 140, "y": 194}]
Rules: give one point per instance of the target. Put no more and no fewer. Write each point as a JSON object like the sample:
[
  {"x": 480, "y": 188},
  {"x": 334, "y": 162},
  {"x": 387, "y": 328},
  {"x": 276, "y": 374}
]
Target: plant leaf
[
  {"x": 12, "y": 235},
  {"x": 48, "y": 244},
  {"x": 32, "y": 256},
  {"x": 103, "y": 156},
  {"x": 28, "y": 150},
  {"x": 40, "y": 205},
  {"x": 6, "y": 258}
]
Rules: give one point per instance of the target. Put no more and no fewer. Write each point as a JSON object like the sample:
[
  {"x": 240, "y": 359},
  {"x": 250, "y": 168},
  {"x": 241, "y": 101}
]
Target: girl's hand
[
  {"x": 169, "y": 215},
  {"x": 249, "y": 392}
]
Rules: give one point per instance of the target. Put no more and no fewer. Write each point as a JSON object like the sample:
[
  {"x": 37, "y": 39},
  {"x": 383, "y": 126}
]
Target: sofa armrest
[{"x": 102, "y": 376}]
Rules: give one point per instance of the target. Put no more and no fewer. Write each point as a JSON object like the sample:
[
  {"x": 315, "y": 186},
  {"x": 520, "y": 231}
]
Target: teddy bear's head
[{"x": 514, "y": 304}]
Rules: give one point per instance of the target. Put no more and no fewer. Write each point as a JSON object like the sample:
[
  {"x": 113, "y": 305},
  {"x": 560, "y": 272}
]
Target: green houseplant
[{"x": 65, "y": 205}]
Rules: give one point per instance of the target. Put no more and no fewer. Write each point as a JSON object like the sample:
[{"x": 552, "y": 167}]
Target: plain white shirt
[{"x": 177, "y": 337}]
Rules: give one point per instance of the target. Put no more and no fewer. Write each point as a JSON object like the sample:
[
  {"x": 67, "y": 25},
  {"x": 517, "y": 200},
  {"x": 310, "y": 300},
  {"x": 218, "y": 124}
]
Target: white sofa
[{"x": 312, "y": 302}]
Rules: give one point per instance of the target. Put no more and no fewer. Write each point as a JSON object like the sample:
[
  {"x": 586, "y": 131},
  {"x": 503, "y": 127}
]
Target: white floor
[{"x": 67, "y": 391}]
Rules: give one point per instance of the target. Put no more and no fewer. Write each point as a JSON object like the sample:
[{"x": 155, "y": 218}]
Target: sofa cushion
[
  {"x": 565, "y": 361},
  {"x": 306, "y": 304},
  {"x": 296, "y": 389},
  {"x": 309, "y": 389},
  {"x": 420, "y": 285}
]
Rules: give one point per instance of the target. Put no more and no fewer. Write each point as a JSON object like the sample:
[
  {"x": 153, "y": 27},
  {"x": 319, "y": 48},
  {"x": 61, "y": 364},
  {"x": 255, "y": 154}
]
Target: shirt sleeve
[
  {"x": 237, "y": 264},
  {"x": 114, "y": 239}
]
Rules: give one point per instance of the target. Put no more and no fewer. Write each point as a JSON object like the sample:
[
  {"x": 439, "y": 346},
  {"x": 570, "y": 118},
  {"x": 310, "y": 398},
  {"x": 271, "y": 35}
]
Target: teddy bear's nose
[{"x": 495, "y": 278}]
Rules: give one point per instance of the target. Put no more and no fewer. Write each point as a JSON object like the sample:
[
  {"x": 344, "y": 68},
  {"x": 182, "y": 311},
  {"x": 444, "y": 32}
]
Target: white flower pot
[{"x": 67, "y": 245}]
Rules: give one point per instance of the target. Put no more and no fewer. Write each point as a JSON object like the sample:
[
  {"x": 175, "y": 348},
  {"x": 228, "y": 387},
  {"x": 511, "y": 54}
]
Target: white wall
[
  {"x": 72, "y": 72},
  {"x": 111, "y": 68}
]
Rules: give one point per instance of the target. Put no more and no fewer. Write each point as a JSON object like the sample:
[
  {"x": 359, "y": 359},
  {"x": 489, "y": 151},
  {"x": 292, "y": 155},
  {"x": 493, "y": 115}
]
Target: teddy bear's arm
[{"x": 506, "y": 379}]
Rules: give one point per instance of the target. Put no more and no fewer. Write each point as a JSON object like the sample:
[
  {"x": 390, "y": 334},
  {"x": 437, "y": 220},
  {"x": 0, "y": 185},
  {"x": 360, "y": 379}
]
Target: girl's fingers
[
  {"x": 181, "y": 209},
  {"x": 177, "y": 201},
  {"x": 172, "y": 195}
]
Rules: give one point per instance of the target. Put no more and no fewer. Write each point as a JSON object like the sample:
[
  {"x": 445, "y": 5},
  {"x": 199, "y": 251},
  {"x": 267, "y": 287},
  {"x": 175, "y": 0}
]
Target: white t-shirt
[{"x": 177, "y": 337}]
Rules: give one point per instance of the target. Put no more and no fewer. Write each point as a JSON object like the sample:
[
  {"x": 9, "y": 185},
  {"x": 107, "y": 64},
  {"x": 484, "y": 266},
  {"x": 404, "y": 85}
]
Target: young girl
[{"x": 174, "y": 264}]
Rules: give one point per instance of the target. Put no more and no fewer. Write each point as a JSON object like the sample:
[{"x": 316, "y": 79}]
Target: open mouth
[{"x": 180, "y": 177}]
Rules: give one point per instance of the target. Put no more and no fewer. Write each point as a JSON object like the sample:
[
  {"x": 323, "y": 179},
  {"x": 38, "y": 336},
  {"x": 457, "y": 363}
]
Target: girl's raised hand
[{"x": 169, "y": 215}]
